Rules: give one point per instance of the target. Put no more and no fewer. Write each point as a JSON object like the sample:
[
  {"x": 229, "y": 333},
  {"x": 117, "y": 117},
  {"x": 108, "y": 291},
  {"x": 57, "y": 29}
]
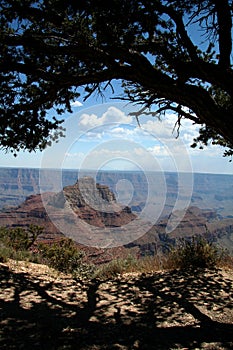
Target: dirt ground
[{"x": 43, "y": 309}]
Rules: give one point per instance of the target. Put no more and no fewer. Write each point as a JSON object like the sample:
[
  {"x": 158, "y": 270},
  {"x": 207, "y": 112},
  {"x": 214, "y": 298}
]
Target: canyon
[{"x": 91, "y": 214}]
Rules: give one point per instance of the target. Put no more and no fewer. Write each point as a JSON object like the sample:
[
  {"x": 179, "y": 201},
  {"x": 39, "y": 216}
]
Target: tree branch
[
  {"x": 224, "y": 31},
  {"x": 180, "y": 29}
]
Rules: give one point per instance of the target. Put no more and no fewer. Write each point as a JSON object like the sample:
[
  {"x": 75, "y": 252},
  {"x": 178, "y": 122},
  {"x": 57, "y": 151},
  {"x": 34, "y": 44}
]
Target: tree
[{"x": 51, "y": 48}]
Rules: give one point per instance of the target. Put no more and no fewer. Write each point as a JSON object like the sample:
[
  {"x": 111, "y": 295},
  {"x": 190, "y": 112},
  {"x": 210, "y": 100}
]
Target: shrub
[
  {"x": 10, "y": 253},
  {"x": 130, "y": 264},
  {"x": 19, "y": 238},
  {"x": 194, "y": 252},
  {"x": 117, "y": 267},
  {"x": 4, "y": 253},
  {"x": 65, "y": 256},
  {"x": 84, "y": 271},
  {"x": 150, "y": 263},
  {"x": 16, "y": 242},
  {"x": 226, "y": 261}
]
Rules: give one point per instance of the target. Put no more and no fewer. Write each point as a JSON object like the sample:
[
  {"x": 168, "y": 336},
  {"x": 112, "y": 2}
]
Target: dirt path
[{"x": 43, "y": 309}]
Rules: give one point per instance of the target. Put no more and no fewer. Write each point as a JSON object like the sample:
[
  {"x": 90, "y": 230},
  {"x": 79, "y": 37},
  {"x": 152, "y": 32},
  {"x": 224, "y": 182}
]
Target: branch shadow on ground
[{"x": 165, "y": 310}]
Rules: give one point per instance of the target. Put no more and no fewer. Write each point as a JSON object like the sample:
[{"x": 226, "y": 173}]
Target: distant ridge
[{"x": 210, "y": 191}]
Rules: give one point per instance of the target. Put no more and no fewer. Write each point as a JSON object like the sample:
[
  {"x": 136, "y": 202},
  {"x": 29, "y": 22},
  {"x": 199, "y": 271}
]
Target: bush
[
  {"x": 115, "y": 267},
  {"x": 151, "y": 263},
  {"x": 19, "y": 238},
  {"x": 65, "y": 256},
  {"x": 130, "y": 264},
  {"x": 194, "y": 252},
  {"x": 4, "y": 253},
  {"x": 16, "y": 242}
]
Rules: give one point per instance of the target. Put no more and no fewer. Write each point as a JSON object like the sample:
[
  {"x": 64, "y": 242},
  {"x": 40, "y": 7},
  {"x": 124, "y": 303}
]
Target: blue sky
[{"x": 102, "y": 135}]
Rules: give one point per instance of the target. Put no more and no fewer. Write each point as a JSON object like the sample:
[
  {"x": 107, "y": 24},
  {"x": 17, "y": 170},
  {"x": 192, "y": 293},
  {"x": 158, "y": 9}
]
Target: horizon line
[{"x": 114, "y": 170}]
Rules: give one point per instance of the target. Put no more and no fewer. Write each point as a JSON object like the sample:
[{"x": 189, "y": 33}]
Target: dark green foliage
[
  {"x": 4, "y": 255},
  {"x": 16, "y": 242},
  {"x": 53, "y": 51},
  {"x": 19, "y": 238},
  {"x": 65, "y": 256},
  {"x": 18, "y": 255},
  {"x": 194, "y": 252}
]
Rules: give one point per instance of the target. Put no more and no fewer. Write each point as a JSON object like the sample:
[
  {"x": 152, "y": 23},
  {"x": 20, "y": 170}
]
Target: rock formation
[
  {"x": 195, "y": 222},
  {"x": 93, "y": 203},
  {"x": 83, "y": 208},
  {"x": 92, "y": 210}
]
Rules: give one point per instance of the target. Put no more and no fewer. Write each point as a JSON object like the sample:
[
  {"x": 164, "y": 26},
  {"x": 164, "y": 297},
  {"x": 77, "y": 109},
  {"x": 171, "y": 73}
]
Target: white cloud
[
  {"x": 135, "y": 157},
  {"x": 76, "y": 104},
  {"x": 188, "y": 137},
  {"x": 88, "y": 121},
  {"x": 167, "y": 129},
  {"x": 110, "y": 123},
  {"x": 125, "y": 133},
  {"x": 158, "y": 151},
  {"x": 112, "y": 116},
  {"x": 158, "y": 129},
  {"x": 122, "y": 131},
  {"x": 115, "y": 115}
]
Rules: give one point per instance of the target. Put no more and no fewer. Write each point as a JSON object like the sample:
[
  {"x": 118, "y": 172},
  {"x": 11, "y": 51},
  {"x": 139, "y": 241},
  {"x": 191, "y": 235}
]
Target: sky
[{"x": 103, "y": 135}]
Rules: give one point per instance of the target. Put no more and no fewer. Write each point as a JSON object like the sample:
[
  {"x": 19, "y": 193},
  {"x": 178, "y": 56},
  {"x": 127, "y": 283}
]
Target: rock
[{"x": 86, "y": 202}]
